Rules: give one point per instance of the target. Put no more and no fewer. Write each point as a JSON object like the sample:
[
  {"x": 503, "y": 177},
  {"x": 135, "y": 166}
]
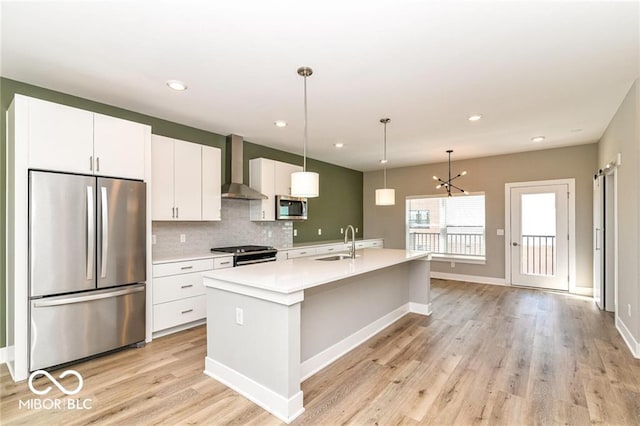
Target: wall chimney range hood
[{"x": 236, "y": 189}]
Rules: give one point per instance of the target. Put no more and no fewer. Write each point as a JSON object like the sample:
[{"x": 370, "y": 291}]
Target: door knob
[{"x": 515, "y": 244}]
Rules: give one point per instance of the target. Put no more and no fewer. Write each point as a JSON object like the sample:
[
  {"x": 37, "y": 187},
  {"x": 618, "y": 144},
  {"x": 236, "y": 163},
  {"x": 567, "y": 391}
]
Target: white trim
[
  {"x": 178, "y": 328},
  {"x": 286, "y": 409},
  {"x": 4, "y": 354},
  {"x": 583, "y": 291},
  {"x": 259, "y": 293},
  {"x": 634, "y": 346},
  {"x": 317, "y": 362},
  {"x": 420, "y": 308},
  {"x": 469, "y": 278},
  {"x": 571, "y": 183},
  {"x": 458, "y": 259}
]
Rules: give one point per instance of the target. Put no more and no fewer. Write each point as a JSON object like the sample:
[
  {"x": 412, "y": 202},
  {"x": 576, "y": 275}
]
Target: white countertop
[
  {"x": 323, "y": 243},
  {"x": 293, "y": 275},
  {"x": 194, "y": 255}
]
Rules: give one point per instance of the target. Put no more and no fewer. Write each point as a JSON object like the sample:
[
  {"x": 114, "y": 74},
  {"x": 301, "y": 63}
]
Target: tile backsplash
[{"x": 234, "y": 229}]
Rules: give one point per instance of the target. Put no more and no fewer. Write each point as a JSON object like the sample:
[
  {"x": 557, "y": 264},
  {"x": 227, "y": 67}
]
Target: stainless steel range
[{"x": 246, "y": 255}]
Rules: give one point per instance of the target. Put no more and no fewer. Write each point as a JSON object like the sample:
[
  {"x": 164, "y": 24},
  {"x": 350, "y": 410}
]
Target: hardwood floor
[{"x": 487, "y": 355}]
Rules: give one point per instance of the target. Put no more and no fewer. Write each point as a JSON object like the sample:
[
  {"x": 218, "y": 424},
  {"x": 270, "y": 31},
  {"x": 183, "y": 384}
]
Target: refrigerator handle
[
  {"x": 91, "y": 232},
  {"x": 104, "y": 210},
  {"x": 79, "y": 299}
]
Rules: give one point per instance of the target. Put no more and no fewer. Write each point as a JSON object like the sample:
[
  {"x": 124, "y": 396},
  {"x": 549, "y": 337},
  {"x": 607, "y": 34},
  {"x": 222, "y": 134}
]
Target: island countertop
[{"x": 293, "y": 275}]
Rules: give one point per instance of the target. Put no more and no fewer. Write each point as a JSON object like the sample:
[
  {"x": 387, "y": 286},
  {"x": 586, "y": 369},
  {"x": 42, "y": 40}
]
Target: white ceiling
[{"x": 530, "y": 68}]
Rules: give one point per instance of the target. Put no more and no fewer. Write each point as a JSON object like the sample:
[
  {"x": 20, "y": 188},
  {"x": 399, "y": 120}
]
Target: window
[{"x": 452, "y": 227}]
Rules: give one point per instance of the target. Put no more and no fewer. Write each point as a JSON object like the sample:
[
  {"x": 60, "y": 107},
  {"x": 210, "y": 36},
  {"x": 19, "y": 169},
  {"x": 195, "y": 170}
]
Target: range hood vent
[{"x": 236, "y": 189}]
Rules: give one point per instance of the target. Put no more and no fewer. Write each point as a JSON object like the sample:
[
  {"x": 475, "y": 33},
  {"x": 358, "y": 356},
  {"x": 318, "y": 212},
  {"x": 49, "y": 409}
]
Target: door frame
[{"x": 571, "y": 228}]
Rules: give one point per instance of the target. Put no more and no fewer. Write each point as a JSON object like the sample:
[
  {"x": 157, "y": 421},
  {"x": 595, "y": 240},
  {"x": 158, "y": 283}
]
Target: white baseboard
[
  {"x": 4, "y": 355},
  {"x": 628, "y": 338},
  {"x": 420, "y": 308},
  {"x": 178, "y": 328},
  {"x": 469, "y": 278},
  {"x": 286, "y": 409},
  {"x": 317, "y": 362},
  {"x": 582, "y": 291}
]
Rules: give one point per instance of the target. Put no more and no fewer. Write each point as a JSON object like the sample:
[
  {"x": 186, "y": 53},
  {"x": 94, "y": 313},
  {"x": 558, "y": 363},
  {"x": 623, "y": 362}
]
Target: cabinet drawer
[
  {"x": 171, "y": 314},
  {"x": 223, "y": 262},
  {"x": 175, "y": 287},
  {"x": 182, "y": 267},
  {"x": 374, "y": 244},
  {"x": 360, "y": 245},
  {"x": 292, "y": 254},
  {"x": 331, "y": 249}
]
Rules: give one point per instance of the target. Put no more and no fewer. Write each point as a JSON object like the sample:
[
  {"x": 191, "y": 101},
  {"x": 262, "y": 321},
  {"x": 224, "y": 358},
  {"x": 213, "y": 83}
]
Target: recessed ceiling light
[
  {"x": 538, "y": 139},
  {"x": 177, "y": 85},
  {"x": 474, "y": 117},
  {"x": 576, "y": 130},
  {"x": 280, "y": 123},
  {"x": 338, "y": 145}
]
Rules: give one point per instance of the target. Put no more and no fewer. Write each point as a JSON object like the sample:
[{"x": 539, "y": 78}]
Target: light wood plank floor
[{"x": 487, "y": 355}]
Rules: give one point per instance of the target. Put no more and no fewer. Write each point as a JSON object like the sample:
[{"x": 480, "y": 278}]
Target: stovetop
[{"x": 242, "y": 249}]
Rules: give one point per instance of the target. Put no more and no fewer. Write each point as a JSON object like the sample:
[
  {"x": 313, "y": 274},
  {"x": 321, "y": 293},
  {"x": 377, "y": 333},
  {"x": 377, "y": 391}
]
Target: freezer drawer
[{"x": 67, "y": 328}]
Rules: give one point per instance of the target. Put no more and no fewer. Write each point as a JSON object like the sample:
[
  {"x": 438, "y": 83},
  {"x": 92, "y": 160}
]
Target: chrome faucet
[{"x": 352, "y": 250}]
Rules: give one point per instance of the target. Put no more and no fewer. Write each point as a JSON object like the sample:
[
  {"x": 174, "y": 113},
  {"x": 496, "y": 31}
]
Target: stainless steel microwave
[{"x": 290, "y": 208}]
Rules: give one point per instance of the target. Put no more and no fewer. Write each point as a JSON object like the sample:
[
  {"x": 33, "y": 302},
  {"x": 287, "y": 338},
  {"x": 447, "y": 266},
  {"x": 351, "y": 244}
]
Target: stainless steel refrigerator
[{"x": 87, "y": 256}]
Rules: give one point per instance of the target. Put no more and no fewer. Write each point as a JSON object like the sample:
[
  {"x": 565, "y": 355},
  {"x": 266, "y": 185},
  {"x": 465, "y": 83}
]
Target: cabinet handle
[
  {"x": 97, "y": 164},
  {"x": 173, "y": 212},
  {"x": 263, "y": 214},
  {"x": 330, "y": 249},
  {"x": 303, "y": 252},
  {"x": 187, "y": 311},
  {"x": 91, "y": 162},
  {"x": 225, "y": 263},
  {"x": 177, "y": 214},
  {"x": 186, "y": 267},
  {"x": 186, "y": 286}
]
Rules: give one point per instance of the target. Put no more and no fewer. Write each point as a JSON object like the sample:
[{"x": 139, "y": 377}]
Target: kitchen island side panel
[{"x": 335, "y": 311}]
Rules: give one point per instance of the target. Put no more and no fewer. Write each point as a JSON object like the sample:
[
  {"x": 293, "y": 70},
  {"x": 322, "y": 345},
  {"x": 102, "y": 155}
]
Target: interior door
[
  {"x": 121, "y": 232},
  {"x": 598, "y": 241},
  {"x": 540, "y": 236}
]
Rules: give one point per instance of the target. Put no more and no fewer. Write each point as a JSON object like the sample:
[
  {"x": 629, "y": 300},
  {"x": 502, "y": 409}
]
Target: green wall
[{"x": 340, "y": 200}]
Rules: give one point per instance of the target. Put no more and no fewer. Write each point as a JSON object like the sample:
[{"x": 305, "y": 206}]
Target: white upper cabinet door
[
  {"x": 262, "y": 179},
  {"x": 60, "y": 137},
  {"x": 188, "y": 180},
  {"x": 162, "y": 206},
  {"x": 211, "y": 183},
  {"x": 119, "y": 147},
  {"x": 283, "y": 177}
]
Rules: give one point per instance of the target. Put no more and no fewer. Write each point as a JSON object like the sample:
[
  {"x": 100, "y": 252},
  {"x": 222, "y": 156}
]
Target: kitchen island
[{"x": 272, "y": 325}]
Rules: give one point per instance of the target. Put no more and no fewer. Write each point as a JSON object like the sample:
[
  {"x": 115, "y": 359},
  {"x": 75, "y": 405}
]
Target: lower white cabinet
[
  {"x": 335, "y": 248},
  {"x": 313, "y": 250},
  {"x": 179, "y": 294},
  {"x": 307, "y": 251}
]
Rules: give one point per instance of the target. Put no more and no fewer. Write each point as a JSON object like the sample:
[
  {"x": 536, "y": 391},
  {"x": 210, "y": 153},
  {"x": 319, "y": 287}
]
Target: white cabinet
[
  {"x": 67, "y": 139},
  {"x": 335, "y": 248},
  {"x": 186, "y": 180},
  {"x": 271, "y": 178},
  {"x": 316, "y": 250},
  {"x": 303, "y": 252},
  {"x": 179, "y": 299}
]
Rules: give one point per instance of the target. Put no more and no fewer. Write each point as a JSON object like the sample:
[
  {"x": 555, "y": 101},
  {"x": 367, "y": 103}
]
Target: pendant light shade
[
  {"x": 385, "y": 196},
  {"x": 305, "y": 184}
]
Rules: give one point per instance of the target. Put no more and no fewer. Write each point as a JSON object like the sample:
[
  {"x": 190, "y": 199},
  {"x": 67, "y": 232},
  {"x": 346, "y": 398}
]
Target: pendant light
[
  {"x": 385, "y": 196},
  {"x": 447, "y": 183},
  {"x": 305, "y": 184}
]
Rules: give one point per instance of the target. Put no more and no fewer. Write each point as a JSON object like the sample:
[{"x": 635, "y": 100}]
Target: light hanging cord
[
  {"x": 305, "y": 184},
  {"x": 385, "y": 196}
]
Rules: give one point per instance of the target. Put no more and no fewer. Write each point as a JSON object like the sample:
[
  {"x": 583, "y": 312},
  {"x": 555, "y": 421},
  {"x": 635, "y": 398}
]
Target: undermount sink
[{"x": 335, "y": 257}]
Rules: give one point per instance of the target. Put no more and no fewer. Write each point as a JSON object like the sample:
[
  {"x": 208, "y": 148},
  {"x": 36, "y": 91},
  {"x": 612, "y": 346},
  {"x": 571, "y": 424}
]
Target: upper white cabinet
[
  {"x": 271, "y": 178},
  {"x": 186, "y": 180},
  {"x": 67, "y": 139}
]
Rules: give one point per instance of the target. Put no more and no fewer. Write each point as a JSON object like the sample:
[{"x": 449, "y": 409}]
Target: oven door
[{"x": 291, "y": 208}]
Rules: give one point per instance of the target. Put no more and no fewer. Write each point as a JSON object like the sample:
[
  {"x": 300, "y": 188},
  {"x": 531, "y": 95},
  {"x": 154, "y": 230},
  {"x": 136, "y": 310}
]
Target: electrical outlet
[
  {"x": 356, "y": 229},
  {"x": 270, "y": 234},
  {"x": 500, "y": 232},
  {"x": 153, "y": 239},
  {"x": 239, "y": 316},
  {"x": 453, "y": 264},
  {"x": 183, "y": 238},
  {"x": 295, "y": 232},
  {"x": 341, "y": 230},
  {"x": 319, "y": 231},
  {"x": 629, "y": 309}
]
